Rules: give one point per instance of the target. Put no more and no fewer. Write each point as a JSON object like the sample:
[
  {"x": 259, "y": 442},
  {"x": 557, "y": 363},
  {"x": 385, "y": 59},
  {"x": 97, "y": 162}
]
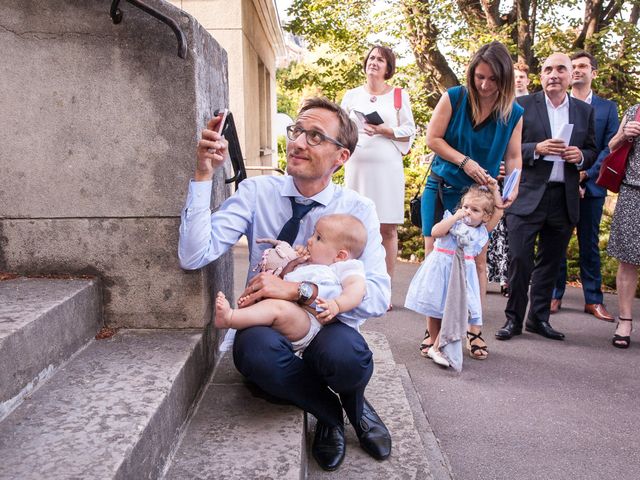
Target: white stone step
[
  {"x": 415, "y": 452},
  {"x": 43, "y": 322},
  {"x": 111, "y": 412},
  {"x": 236, "y": 435}
]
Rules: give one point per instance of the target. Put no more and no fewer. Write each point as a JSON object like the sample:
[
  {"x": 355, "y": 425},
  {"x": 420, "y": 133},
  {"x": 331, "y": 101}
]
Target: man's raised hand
[{"x": 211, "y": 151}]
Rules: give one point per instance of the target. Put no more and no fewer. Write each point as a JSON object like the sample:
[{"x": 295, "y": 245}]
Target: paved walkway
[{"x": 536, "y": 408}]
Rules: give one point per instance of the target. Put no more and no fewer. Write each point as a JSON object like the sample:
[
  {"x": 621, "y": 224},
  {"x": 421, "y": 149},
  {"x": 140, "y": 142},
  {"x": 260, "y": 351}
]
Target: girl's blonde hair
[
  {"x": 497, "y": 57},
  {"x": 483, "y": 193}
]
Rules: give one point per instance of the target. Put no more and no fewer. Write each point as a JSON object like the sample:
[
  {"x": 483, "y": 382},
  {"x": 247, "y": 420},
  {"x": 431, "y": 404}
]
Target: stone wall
[
  {"x": 99, "y": 124},
  {"x": 250, "y": 32}
]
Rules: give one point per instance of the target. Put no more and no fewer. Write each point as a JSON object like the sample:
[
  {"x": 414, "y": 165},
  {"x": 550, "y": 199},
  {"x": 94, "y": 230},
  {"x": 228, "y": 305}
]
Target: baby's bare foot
[{"x": 224, "y": 312}]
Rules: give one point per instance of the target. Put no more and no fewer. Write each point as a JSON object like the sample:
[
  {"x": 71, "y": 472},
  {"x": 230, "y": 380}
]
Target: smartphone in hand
[{"x": 221, "y": 113}]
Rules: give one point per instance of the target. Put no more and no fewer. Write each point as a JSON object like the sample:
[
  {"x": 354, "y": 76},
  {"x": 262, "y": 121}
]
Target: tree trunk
[
  {"x": 423, "y": 35},
  {"x": 591, "y": 25},
  {"x": 524, "y": 37}
]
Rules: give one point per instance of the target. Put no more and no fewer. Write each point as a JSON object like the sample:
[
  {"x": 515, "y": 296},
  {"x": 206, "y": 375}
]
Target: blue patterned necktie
[{"x": 290, "y": 229}]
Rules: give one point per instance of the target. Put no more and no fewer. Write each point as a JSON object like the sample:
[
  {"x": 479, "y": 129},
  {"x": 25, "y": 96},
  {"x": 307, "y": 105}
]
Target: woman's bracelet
[{"x": 463, "y": 162}]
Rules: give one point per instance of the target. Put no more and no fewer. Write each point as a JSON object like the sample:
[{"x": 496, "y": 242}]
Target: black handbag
[{"x": 415, "y": 214}]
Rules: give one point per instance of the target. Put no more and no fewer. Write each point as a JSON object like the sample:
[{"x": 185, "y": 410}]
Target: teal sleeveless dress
[{"x": 486, "y": 144}]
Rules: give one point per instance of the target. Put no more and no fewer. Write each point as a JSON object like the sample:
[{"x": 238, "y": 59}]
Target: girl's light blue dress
[{"x": 428, "y": 289}]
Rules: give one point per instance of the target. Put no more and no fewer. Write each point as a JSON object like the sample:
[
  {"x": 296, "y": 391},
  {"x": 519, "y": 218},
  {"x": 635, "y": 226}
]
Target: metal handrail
[{"x": 116, "y": 16}]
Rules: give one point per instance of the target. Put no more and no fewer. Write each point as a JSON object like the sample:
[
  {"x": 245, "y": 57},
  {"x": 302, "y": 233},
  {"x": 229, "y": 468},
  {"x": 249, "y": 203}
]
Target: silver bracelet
[{"x": 463, "y": 163}]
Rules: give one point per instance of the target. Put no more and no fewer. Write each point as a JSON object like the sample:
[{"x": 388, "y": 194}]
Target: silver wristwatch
[{"x": 305, "y": 292}]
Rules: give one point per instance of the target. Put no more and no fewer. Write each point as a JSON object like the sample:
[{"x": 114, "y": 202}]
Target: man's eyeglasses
[
  {"x": 313, "y": 137},
  {"x": 584, "y": 66}
]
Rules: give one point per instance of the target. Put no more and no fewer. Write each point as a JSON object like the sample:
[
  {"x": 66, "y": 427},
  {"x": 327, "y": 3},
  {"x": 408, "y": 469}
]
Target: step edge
[
  {"x": 197, "y": 357},
  {"x": 93, "y": 296},
  {"x": 193, "y": 410},
  {"x": 13, "y": 403},
  {"x": 438, "y": 461}
]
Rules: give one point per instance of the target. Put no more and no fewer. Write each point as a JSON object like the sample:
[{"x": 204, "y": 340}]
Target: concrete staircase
[
  {"x": 75, "y": 407},
  {"x": 236, "y": 433},
  {"x": 128, "y": 407}
]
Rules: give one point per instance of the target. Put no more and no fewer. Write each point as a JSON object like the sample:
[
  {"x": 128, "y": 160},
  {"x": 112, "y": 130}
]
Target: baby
[{"x": 337, "y": 242}]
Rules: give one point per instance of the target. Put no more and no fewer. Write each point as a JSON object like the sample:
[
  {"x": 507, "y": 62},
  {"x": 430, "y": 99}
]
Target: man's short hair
[
  {"x": 347, "y": 129},
  {"x": 521, "y": 67},
  {"x": 583, "y": 53}
]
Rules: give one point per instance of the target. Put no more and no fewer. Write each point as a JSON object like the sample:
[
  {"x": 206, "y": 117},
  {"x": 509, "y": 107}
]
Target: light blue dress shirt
[{"x": 259, "y": 209}]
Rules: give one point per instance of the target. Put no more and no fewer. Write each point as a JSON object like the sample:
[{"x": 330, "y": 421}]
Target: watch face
[{"x": 305, "y": 291}]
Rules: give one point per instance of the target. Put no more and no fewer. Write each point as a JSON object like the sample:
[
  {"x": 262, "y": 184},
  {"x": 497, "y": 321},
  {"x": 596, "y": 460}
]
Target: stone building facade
[{"x": 250, "y": 32}]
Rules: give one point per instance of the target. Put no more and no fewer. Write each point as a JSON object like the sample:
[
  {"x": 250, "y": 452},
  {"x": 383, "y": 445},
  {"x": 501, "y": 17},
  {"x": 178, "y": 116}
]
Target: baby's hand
[
  {"x": 460, "y": 214},
  {"x": 291, "y": 266},
  {"x": 301, "y": 250},
  {"x": 330, "y": 310},
  {"x": 242, "y": 301},
  {"x": 492, "y": 184}
]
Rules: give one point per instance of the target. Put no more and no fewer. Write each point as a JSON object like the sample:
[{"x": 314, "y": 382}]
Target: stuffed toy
[{"x": 274, "y": 259}]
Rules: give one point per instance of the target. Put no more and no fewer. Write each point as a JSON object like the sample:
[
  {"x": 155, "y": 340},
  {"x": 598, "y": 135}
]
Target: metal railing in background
[{"x": 116, "y": 16}]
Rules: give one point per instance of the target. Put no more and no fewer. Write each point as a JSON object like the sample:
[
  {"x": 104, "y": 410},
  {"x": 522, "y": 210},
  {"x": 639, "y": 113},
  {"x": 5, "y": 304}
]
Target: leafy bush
[{"x": 410, "y": 241}]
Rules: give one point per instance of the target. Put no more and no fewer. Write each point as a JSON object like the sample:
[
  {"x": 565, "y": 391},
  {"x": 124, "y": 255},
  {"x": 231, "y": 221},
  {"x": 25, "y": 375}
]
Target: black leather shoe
[
  {"x": 510, "y": 329},
  {"x": 544, "y": 329},
  {"x": 374, "y": 437},
  {"x": 328, "y": 446}
]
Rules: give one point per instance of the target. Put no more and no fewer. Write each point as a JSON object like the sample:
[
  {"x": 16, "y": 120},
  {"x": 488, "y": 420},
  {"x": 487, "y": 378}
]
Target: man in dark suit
[
  {"x": 548, "y": 202},
  {"x": 591, "y": 204}
]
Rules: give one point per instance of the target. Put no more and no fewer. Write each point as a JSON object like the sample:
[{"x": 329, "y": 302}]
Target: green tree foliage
[
  {"x": 336, "y": 33},
  {"x": 442, "y": 36},
  {"x": 532, "y": 29}
]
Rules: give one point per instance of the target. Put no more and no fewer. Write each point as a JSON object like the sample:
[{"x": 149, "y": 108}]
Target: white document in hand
[
  {"x": 565, "y": 135},
  {"x": 510, "y": 183}
]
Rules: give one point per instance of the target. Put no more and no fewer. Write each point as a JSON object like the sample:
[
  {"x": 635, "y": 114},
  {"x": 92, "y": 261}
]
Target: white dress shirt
[
  {"x": 586, "y": 100},
  {"x": 259, "y": 209},
  {"x": 558, "y": 117}
]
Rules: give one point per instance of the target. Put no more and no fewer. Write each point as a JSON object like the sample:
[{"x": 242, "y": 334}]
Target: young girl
[{"x": 479, "y": 212}]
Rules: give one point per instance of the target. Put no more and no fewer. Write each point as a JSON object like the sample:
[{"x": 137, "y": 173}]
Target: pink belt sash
[{"x": 451, "y": 252}]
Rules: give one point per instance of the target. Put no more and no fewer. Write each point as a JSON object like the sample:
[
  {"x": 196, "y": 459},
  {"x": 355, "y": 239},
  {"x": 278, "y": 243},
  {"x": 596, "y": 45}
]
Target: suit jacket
[
  {"x": 607, "y": 124},
  {"x": 535, "y": 172}
]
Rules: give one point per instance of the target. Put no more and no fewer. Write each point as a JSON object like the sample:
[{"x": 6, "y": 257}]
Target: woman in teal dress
[{"x": 472, "y": 129}]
